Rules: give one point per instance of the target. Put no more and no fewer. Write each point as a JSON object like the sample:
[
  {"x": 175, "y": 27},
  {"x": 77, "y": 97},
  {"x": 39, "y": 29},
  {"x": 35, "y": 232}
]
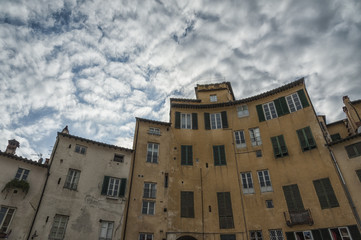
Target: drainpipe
[
  {"x": 202, "y": 204},
  {"x": 43, "y": 191}
]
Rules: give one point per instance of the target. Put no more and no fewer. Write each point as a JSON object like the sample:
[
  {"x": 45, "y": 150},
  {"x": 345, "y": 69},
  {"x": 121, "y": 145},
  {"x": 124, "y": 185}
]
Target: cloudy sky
[{"x": 96, "y": 65}]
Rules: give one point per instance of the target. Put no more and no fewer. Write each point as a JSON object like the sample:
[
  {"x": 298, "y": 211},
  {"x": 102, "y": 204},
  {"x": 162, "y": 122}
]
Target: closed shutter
[
  {"x": 194, "y": 121},
  {"x": 303, "y": 98},
  {"x": 216, "y": 156},
  {"x": 325, "y": 193},
  {"x": 224, "y": 119},
  {"x": 105, "y": 185},
  {"x": 355, "y": 234},
  {"x": 225, "y": 210},
  {"x": 207, "y": 123},
  {"x": 350, "y": 151},
  {"x": 260, "y": 113},
  {"x": 123, "y": 184},
  {"x": 177, "y": 120},
  {"x": 290, "y": 236},
  {"x": 325, "y": 234},
  {"x": 316, "y": 234},
  {"x": 281, "y": 106},
  {"x": 187, "y": 204},
  {"x": 186, "y": 155},
  {"x": 219, "y": 155},
  {"x": 293, "y": 198}
]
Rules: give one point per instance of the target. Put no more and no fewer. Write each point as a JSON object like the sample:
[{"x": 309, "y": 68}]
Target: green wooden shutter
[
  {"x": 276, "y": 149},
  {"x": 224, "y": 119},
  {"x": 302, "y": 139},
  {"x": 325, "y": 234},
  {"x": 325, "y": 193},
  {"x": 290, "y": 236},
  {"x": 225, "y": 210},
  {"x": 207, "y": 123},
  {"x": 283, "y": 146},
  {"x": 105, "y": 185},
  {"x": 261, "y": 117},
  {"x": 330, "y": 193},
  {"x": 358, "y": 173},
  {"x": 190, "y": 155},
  {"x": 216, "y": 156},
  {"x": 310, "y": 140},
  {"x": 123, "y": 184},
  {"x": 284, "y": 105},
  {"x": 316, "y": 234},
  {"x": 177, "y": 120},
  {"x": 187, "y": 204},
  {"x": 183, "y": 155},
  {"x": 293, "y": 198},
  {"x": 351, "y": 151},
  {"x": 222, "y": 155},
  {"x": 303, "y": 98},
  {"x": 355, "y": 234},
  {"x": 320, "y": 194},
  {"x": 278, "y": 107},
  {"x": 194, "y": 121}
]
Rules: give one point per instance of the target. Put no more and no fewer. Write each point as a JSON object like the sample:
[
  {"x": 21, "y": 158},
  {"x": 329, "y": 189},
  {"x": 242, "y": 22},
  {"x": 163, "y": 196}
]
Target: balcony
[{"x": 298, "y": 217}]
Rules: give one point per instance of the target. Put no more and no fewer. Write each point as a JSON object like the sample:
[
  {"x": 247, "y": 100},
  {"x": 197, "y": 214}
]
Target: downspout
[
  {"x": 43, "y": 191},
  {"x": 202, "y": 203},
  {"x": 130, "y": 182}
]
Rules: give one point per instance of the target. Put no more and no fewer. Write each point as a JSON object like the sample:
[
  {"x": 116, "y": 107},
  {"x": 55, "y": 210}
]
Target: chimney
[
  {"x": 65, "y": 130},
  {"x": 11, "y": 148}
]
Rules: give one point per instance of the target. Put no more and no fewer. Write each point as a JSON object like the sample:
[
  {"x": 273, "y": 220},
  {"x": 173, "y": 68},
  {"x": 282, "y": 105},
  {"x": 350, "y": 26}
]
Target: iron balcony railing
[{"x": 301, "y": 217}]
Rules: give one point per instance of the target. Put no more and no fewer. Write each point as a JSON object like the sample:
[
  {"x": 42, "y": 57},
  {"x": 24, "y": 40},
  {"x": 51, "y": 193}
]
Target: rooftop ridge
[
  {"x": 153, "y": 121},
  {"x": 19, "y": 158}
]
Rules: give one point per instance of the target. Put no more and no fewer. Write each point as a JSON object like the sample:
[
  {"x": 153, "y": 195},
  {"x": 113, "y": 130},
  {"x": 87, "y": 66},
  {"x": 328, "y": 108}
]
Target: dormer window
[{"x": 213, "y": 98}]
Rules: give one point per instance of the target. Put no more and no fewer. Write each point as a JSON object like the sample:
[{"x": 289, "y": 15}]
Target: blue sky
[{"x": 96, "y": 65}]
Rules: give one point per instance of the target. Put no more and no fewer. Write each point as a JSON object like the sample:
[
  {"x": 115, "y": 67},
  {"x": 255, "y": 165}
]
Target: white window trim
[
  {"x": 248, "y": 190},
  {"x": 63, "y": 219},
  {"x": 146, "y": 235},
  {"x": 217, "y": 117},
  {"x": 213, "y": 98},
  {"x": 154, "y": 152},
  {"x": 268, "y": 184},
  {"x": 307, "y": 231},
  {"x": 22, "y": 176},
  {"x": 148, "y": 208},
  {"x": 293, "y": 102},
  {"x": 256, "y": 237},
  {"x": 72, "y": 179},
  {"x": 154, "y": 131},
  {"x": 114, "y": 187},
  {"x": 6, "y": 213},
  {"x": 242, "y": 144},
  {"x": 242, "y": 111},
  {"x": 151, "y": 188},
  {"x": 108, "y": 227},
  {"x": 80, "y": 149},
  {"x": 255, "y": 140},
  {"x": 269, "y": 110},
  {"x": 339, "y": 231},
  {"x": 186, "y": 121}
]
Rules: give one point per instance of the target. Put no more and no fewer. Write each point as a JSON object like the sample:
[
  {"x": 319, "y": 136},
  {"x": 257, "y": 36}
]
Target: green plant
[{"x": 15, "y": 183}]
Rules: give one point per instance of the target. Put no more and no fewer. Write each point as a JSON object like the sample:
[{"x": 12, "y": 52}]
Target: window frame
[
  {"x": 219, "y": 155},
  {"x": 269, "y": 110},
  {"x": 62, "y": 218},
  {"x": 306, "y": 145},
  {"x": 292, "y": 102},
  {"x": 152, "y": 152},
  {"x": 242, "y": 111},
  {"x": 154, "y": 131},
  {"x": 303, "y": 233},
  {"x": 240, "y": 139},
  {"x": 102, "y": 222},
  {"x": 255, "y": 140},
  {"x": 80, "y": 149},
  {"x": 213, "y": 98},
  {"x": 150, "y": 190},
  {"x": 216, "y": 120},
  {"x": 146, "y": 236},
  {"x": 349, "y": 237},
  {"x": 148, "y": 206},
  {"x": 113, "y": 189},
  {"x": 5, "y": 219},
  {"x": 269, "y": 203},
  {"x": 276, "y": 236},
  {"x": 187, "y": 204},
  {"x": 187, "y": 155},
  {"x": 279, "y": 146},
  {"x": 72, "y": 179},
  {"x": 356, "y": 148},
  {"x": 186, "y": 120},
  {"x": 22, "y": 174},
  {"x": 255, "y": 237},
  {"x": 267, "y": 183},
  {"x": 118, "y": 158},
  {"x": 247, "y": 176}
]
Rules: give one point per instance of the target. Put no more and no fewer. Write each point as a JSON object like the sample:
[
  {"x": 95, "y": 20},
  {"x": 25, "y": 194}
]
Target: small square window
[
  {"x": 154, "y": 131},
  {"x": 259, "y": 153},
  {"x": 22, "y": 174},
  {"x": 269, "y": 204},
  {"x": 242, "y": 111},
  {"x": 213, "y": 98},
  {"x": 118, "y": 158},
  {"x": 80, "y": 149}
]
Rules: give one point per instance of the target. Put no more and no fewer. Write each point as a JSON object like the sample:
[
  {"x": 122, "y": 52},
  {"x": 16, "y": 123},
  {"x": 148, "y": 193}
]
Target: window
[
  {"x": 255, "y": 235},
  {"x": 219, "y": 155},
  {"x": 187, "y": 204},
  {"x": 325, "y": 193},
  {"x": 305, "y": 235},
  {"x": 148, "y": 207},
  {"x": 306, "y": 139},
  {"x": 258, "y": 153},
  {"x": 72, "y": 179},
  {"x": 240, "y": 139},
  {"x": 215, "y": 120},
  {"x": 269, "y": 204},
  {"x": 293, "y": 102},
  {"x": 228, "y": 237},
  {"x": 150, "y": 190},
  {"x": 225, "y": 210},
  {"x": 358, "y": 173},
  {"x": 80, "y": 149},
  {"x": 255, "y": 136},
  {"x": 186, "y": 120},
  {"x": 152, "y": 154},
  {"x": 341, "y": 233},
  {"x": 353, "y": 150},
  {"x": 106, "y": 230},
  {"x": 114, "y": 187},
  {"x": 22, "y": 174},
  {"x": 335, "y": 137},
  {"x": 265, "y": 181},
  {"x": 293, "y": 198},
  {"x": 145, "y": 236},
  {"x": 165, "y": 180},
  {"x": 269, "y": 110},
  {"x": 186, "y": 155},
  {"x": 279, "y": 146},
  {"x": 213, "y": 98},
  {"x": 242, "y": 111},
  {"x": 57, "y": 231},
  {"x": 118, "y": 158},
  {"x": 6, "y": 215},
  {"x": 154, "y": 131},
  {"x": 276, "y": 234},
  {"x": 247, "y": 183}
]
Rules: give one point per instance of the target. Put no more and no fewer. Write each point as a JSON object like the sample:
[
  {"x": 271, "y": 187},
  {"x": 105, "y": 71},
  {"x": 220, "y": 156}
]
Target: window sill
[{"x": 112, "y": 198}]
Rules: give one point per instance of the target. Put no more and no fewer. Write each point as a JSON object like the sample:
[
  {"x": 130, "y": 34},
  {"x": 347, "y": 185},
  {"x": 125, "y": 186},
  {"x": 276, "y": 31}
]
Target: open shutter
[
  {"x": 278, "y": 107},
  {"x": 284, "y": 105},
  {"x": 194, "y": 121},
  {"x": 276, "y": 149},
  {"x": 177, "y": 120},
  {"x": 290, "y": 236},
  {"x": 190, "y": 155},
  {"x": 183, "y": 155},
  {"x": 303, "y": 98},
  {"x": 283, "y": 147},
  {"x": 325, "y": 234},
  {"x": 330, "y": 193},
  {"x": 302, "y": 139},
  {"x": 311, "y": 141},
  {"x": 261, "y": 117},
  {"x": 105, "y": 185},
  {"x": 222, "y": 155},
  {"x": 207, "y": 122},
  {"x": 316, "y": 234},
  {"x": 224, "y": 119},
  {"x": 123, "y": 184},
  {"x": 216, "y": 156}
]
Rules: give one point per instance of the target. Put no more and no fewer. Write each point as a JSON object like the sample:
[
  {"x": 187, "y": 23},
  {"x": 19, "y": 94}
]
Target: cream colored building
[
  {"x": 225, "y": 169},
  {"x": 21, "y": 185},
  {"x": 85, "y": 193}
]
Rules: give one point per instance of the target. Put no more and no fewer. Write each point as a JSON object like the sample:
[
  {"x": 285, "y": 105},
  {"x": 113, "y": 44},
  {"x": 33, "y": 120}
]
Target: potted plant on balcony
[{"x": 15, "y": 183}]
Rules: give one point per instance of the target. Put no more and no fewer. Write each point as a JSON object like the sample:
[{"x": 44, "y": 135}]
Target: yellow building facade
[{"x": 225, "y": 169}]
